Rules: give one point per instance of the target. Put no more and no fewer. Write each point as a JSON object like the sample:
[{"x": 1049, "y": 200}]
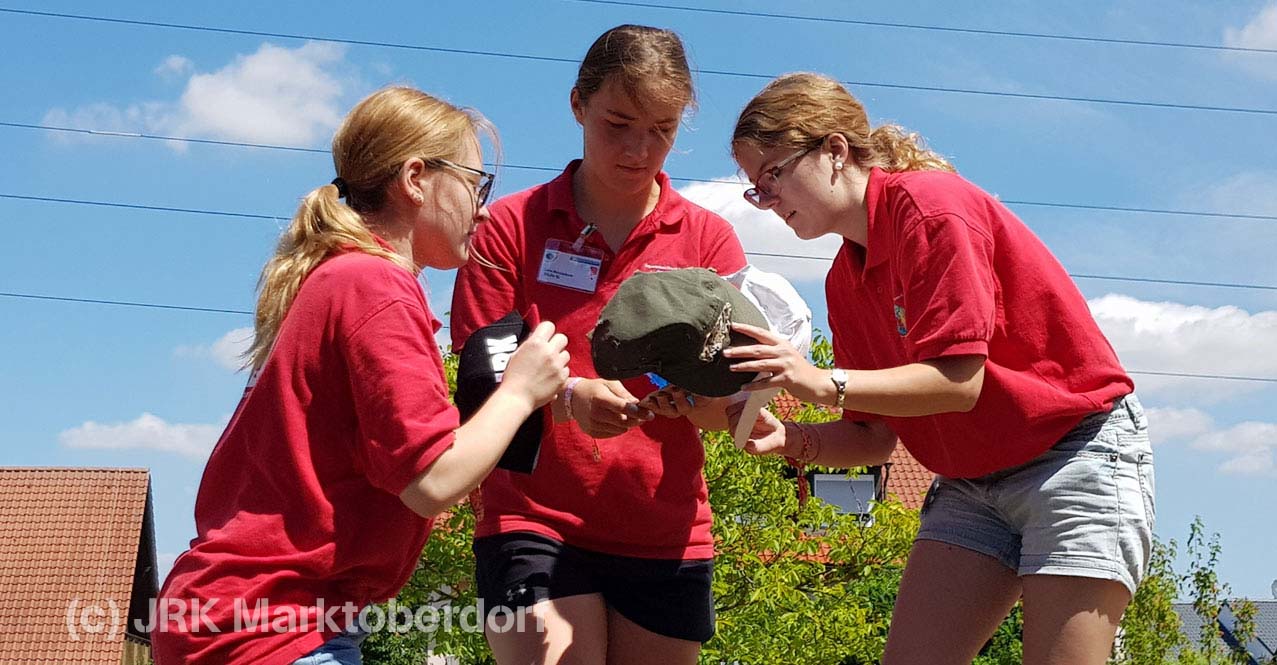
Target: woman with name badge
[
  {"x": 608, "y": 540},
  {"x": 319, "y": 496},
  {"x": 953, "y": 324}
]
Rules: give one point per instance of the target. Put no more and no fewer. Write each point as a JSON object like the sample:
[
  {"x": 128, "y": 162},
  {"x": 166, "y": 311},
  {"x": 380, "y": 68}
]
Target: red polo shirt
[
  {"x": 644, "y": 495},
  {"x": 948, "y": 270},
  {"x": 299, "y": 505}
]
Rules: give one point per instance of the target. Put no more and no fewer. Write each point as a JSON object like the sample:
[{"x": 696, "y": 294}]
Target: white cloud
[
  {"x": 276, "y": 95},
  {"x": 762, "y": 231},
  {"x": 1169, "y": 424},
  {"x": 147, "y": 432},
  {"x": 1172, "y": 337},
  {"x": 174, "y": 66},
  {"x": 228, "y": 351},
  {"x": 1250, "y": 193},
  {"x": 1251, "y": 447},
  {"x": 1259, "y": 33}
]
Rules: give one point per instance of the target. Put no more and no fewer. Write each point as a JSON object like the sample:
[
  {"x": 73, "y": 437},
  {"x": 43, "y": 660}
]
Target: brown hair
[
  {"x": 799, "y": 110},
  {"x": 383, "y": 131},
  {"x": 650, "y": 63}
]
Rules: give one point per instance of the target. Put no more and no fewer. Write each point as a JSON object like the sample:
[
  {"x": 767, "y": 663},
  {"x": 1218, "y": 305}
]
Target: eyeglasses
[
  {"x": 482, "y": 191},
  {"x": 768, "y": 186}
]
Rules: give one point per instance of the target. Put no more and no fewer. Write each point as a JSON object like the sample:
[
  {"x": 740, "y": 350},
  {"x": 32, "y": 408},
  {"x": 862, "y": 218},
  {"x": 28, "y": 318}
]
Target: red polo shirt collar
[
  {"x": 878, "y": 243},
  {"x": 670, "y": 208}
]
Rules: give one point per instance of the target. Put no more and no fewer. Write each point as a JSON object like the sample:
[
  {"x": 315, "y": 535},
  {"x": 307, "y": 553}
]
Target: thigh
[
  {"x": 1085, "y": 507},
  {"x": 631, "y": 644},
  {"x": 668, "y": 598},
  {"x": 951, "y": 600},
  {"x": 541, "y": 601},
  {"x": 561, "y": 631},
  {"x": 1071, "y": 620}
]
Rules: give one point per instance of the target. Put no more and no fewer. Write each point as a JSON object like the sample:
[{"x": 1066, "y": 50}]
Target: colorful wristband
[{"x": 567, "y": 395}]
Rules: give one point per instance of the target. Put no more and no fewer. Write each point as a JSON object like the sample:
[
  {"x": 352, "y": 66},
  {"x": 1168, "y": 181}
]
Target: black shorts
[{"x": 669, "y": 597}]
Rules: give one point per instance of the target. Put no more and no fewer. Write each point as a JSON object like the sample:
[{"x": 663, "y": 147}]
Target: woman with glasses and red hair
[
  {"x": 607, "y": 542},
  {"x": 956, "y": 327}
]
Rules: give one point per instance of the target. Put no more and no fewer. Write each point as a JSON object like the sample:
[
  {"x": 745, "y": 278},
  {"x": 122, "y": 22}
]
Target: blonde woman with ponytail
[
  {"x": 319, "y": 496},
  {"x": 955, "y": 329}
]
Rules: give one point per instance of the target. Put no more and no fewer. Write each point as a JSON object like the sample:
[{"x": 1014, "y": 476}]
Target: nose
[
  {"x": 482, "y": 215},
  {"x": 636, "y": 144}
]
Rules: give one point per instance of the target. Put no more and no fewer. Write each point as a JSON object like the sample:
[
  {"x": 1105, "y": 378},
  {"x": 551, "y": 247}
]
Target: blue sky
[{"x": 97, "y": 385}]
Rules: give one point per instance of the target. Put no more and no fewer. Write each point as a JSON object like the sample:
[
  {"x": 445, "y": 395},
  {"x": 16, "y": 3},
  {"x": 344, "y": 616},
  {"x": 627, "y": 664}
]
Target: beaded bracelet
[{"x": 806, "y": 456}]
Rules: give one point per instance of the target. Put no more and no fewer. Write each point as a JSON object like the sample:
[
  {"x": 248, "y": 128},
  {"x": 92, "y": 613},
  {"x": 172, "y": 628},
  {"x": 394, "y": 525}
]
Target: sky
[{"x": 96, "y": 385}]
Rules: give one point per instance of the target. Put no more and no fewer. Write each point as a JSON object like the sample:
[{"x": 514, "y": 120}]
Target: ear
[
  {"x": 838, "y": 148},
  {"x": 578, "y": 106},
  {"x": 407, "y": 185}
]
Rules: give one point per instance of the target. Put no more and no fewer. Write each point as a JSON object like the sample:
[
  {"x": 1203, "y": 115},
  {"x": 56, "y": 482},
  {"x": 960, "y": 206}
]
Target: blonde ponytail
[{"x": 321, "y": 225}]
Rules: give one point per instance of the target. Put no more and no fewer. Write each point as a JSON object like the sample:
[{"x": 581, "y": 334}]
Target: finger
[
  {"x": 543, "y": 332},
  {"x": 761, "y": 334},
  {"x": 763, "y": 384},
  {"x": 618, "y": 389},
  {"x": 756, "y": 351},
  {"x": 767, "y": 365},
  {"x": 559, "y": 341}
]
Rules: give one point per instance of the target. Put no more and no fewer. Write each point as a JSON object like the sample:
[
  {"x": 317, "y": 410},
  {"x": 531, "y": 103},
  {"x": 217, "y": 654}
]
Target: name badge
[{"x": 570, "y": 266}]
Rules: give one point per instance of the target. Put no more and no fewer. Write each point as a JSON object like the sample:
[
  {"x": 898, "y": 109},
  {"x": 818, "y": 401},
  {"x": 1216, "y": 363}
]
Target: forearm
[
  {"x": 710, "y": 413},
  {"x": 839, "y": 444},
  {"x": 925, "y": 388},
  {"x": 474, "y": 453}
]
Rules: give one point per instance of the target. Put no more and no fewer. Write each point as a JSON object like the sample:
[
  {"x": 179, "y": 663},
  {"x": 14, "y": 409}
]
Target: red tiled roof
[
  {"x": 908, "y": 480},
  {"x": 68, "y": 535}
]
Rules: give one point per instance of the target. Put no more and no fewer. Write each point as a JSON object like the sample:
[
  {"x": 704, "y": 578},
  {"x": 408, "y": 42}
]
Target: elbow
[
  {"x": 965, "y": 399},
  {"x": 882, "y": 444},
  {"x": 426, "y": 501}
]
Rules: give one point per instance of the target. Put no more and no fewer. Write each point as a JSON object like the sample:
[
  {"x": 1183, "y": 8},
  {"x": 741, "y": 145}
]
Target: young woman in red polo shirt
[
  {"x": 608, "y": 539},
  {"x": 319, "y": 496},
  {"x": 954, "y": 325}
]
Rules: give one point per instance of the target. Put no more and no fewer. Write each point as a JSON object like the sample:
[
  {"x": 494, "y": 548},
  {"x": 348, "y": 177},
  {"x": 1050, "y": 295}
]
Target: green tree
[{"x": 810, "y": 585}]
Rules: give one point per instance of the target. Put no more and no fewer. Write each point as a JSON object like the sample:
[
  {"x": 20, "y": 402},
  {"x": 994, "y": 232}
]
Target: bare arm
[
  {"x": 535, "y": 373},
  {"x": 940, "y": 385},
  {"x": 839, "y": 444}
]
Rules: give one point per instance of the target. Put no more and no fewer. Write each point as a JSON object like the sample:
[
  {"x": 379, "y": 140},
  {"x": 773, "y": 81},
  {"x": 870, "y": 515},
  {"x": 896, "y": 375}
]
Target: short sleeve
[
  {"x": 482, "y": 294},
  {"x": 721, "y": 249},
  {"x": 397, "y": 382},
  {"x": 949, "y": 301}
]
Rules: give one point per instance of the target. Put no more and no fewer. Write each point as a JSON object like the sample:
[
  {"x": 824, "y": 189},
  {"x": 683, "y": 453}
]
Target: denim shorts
[
  {"x": 1084, "y": 508},
  {"x": 341, "y": 649}
]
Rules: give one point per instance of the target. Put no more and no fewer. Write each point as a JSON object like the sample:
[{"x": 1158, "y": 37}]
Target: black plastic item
[{"x": 479, "y": 370}]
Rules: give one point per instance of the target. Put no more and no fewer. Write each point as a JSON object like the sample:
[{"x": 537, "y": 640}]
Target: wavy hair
[{"x": 799, "y": 110}]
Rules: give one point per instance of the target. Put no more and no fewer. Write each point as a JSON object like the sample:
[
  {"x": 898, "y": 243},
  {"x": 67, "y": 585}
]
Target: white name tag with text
[{"x": 576, "y": 269}]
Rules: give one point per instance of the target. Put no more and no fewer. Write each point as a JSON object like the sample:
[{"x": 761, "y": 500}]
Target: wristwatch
[{"x": 839, "y": 377}]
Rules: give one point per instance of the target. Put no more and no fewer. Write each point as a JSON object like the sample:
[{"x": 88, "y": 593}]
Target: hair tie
[{"x": 343, "y": 190}]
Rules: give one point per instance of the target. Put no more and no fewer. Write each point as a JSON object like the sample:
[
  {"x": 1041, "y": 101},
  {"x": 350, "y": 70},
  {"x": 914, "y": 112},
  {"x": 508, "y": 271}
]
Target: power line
[
  {"x": 146, "y": 305},
  {"x": 226, "y": 213},
  {"x": 715, "y": 72},
  {"x": 939, "y": 28},
  {"x": 138, "y": 206},
  {"x": 125, "y": 303},
  {"x": 551, "y": 169},
  {"x": 1221, "y": 377}
]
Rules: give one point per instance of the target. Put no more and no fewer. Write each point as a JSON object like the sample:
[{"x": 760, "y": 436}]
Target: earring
[
  {"x": 838, "y": 165},
  {"x": 418, "y": 199}
]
